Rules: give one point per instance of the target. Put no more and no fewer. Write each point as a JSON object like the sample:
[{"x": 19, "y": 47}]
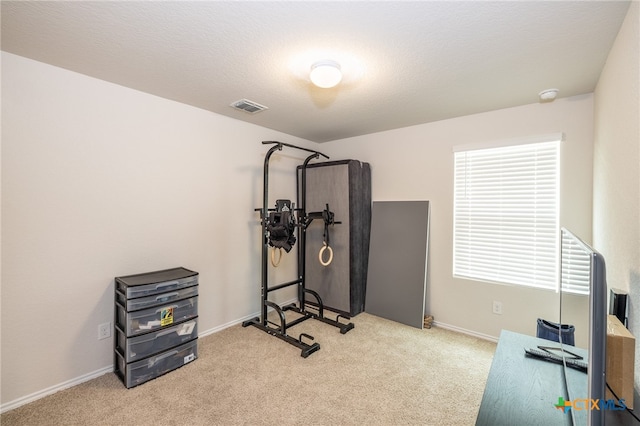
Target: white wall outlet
[
  {"x": 104, "y": 331},
  {"x": 497, "y": 307}
]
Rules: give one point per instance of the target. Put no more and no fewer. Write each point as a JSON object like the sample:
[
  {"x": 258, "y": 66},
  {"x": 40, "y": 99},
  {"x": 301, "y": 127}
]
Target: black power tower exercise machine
[{"x": 278, "y": 227}]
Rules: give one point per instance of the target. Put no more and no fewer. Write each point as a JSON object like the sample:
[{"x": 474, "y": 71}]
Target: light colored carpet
[{"x": 379, "y": 373}]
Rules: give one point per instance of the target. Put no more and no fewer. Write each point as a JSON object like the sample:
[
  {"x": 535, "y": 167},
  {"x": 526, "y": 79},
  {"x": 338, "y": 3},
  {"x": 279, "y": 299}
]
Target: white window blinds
[
  {"x": 576, "y": 265},
  {"x": 506, "y": 214}
]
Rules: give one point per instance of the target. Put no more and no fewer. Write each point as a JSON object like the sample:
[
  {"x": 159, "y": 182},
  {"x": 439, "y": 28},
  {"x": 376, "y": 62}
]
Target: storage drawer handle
[
  {"x": 167, "y": 284},
  {"x": 166, "y": 296},
  {"x": 163, "y": 356},
  {"x": 165, "y": 332},
  {"x": 165, "y": 307}
]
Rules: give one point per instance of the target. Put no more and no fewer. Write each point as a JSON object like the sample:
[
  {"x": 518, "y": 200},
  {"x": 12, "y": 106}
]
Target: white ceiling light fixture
[
  {"x": 325, "y": 74},
  {"x": 548, "y": 95}
]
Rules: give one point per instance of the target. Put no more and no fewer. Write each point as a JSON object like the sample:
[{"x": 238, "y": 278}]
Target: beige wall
[
  {"x": 100, "y": 181},
  {"x": 616, "y": 218},
  {"x": 416, "y": 163}
]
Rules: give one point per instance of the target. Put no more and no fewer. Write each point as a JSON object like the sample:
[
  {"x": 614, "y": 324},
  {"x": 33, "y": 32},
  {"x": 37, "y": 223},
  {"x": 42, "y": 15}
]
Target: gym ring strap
[
  {"x": 322, "y": 250},
  {"x": 273, "y": 256}
]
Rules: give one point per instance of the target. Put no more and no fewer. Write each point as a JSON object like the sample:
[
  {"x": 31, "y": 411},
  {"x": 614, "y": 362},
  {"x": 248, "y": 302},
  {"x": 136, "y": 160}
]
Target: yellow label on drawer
[{"x": 166, "y": 317}]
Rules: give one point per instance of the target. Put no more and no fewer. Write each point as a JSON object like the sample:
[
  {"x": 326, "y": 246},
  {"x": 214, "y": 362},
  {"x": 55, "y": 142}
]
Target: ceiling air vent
[{"x": 248, "y": 106}]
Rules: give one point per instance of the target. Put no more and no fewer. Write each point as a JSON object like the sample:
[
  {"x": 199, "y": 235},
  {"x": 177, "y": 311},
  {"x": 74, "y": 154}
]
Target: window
[
  {"x": 506, "y": 213},
  {"x": 576, "y": 266}
]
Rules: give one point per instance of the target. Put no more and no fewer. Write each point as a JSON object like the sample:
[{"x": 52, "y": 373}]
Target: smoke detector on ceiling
[
  {"x": 248, "y": 106},
  {"x": 548, "y": 95}
]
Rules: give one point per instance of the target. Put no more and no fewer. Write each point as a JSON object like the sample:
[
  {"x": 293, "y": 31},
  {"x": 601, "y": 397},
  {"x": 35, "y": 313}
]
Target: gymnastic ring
[
  {"x": 322, "y": 262},
  {"x": 273, "y": 257}
]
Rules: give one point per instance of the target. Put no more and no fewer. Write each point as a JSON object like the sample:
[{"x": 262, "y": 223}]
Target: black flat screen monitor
[{"x": 581, "y": 263}]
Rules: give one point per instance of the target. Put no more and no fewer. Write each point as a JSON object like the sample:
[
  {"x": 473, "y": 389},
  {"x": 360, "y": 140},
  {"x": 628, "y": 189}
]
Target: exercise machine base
[{"x": 280, "y": 330}]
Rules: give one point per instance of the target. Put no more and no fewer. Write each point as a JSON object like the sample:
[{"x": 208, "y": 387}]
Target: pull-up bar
[
  {"x": 301, "y": 222},
  {"x": 281, "y": 144}
]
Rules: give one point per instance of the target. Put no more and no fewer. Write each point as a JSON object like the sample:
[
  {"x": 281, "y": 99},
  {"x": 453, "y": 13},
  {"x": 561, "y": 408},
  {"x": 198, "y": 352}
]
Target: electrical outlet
[
  {"x": 104, "y": 331},
  {"x": 497, "y": 307}
]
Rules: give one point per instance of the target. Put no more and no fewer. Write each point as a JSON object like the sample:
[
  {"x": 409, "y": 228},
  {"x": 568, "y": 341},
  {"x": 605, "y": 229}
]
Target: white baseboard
[
  {"x": 108, "y": 369},
  {"x": 53, "y": 389},
  {"x": 465, "y": 331},
  {"x": 241, "y": 320},
  {"x": 227, "y": 325}
]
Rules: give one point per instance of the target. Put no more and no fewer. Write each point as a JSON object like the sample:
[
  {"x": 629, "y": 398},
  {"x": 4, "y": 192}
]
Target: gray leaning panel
[
  {"x": 346, "y": 187},
  {"x": 398, "y": 261}
]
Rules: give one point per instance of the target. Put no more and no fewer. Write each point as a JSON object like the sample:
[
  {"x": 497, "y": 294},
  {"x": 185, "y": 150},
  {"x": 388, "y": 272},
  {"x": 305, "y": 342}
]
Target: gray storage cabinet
[{"x": 156, "y": 324}]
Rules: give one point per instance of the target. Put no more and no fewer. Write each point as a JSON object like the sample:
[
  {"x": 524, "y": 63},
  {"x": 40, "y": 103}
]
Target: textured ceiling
[{"x": 405, "y": 63}]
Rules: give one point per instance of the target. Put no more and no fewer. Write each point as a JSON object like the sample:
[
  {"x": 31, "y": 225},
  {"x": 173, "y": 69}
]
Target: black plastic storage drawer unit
[{"x": 156, "y": 323}]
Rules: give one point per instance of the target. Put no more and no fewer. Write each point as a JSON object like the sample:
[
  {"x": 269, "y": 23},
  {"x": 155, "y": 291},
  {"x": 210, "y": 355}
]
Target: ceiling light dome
[{"x": 325, "y": 74}]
